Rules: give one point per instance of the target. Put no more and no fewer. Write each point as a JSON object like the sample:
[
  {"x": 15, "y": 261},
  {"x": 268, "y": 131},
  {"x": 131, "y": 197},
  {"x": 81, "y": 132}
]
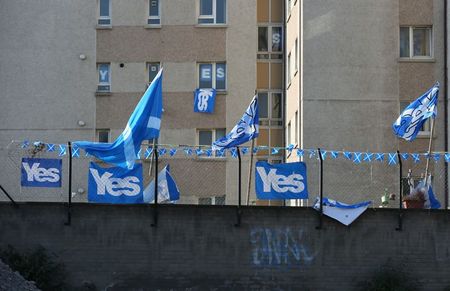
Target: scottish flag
[
  {"x": 204, "y": 100},
  {"x": 167, "y": 188},
  {"x": 246, "y": 129},
  {"x": 411, "y": 120},
  {"x": 143, "y": 124},
  {"x": 430, "y": 199},
  {"x": 342, "y": 212}
]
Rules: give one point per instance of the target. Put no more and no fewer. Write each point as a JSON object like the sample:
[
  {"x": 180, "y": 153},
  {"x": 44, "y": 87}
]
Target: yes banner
[
  {"x": 41, "y": 172},
  {"x": 281, "y": 181},
  {"x": 204, "y": 100},
  {"x": 115, "y": 185}
]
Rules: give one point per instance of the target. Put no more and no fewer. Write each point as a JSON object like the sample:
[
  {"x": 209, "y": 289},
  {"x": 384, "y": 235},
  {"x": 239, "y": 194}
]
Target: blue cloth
[
  {"x": 411, "y": 120},
  {"x": 41, "y": 172},
  {"x": 246, "y": 129},
  {"x": 337, "y": 204},
  {"x": 115, "y": 185},
  {"x": 281, "y": 181},
  {"x": 144, "y": 124},
  {"x": 204, "y": 100},
  {"x": 167, "y": 188},
  {"x": 433, "y": 202}
]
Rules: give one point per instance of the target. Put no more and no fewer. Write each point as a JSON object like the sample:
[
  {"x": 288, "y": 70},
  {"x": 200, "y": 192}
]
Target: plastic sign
[
  {"x": 41, "y": 172},
  {"x": 281, "y": 181},
  {"x": 115, "y": 185}
]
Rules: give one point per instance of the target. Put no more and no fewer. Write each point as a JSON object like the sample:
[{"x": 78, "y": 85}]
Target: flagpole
[
  {"x": 238, "y": 223},
  {"x": 152, "y": 158},
  {"x": 430, "y": 144},
  {"x": 155, "y": 213},
  {"x": 250, "y": 171}
]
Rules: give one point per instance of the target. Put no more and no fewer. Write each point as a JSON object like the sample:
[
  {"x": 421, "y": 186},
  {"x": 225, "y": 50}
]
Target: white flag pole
[{"x": 430, "y": 144}]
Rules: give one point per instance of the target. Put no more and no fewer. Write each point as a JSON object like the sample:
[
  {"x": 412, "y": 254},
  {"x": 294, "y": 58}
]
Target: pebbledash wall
[{"x": 199, "y": 248}]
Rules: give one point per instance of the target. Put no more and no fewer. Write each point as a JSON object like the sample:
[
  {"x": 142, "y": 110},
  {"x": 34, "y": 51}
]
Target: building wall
[
  {"x": 199, "y": 248},
  {"x": 46, "y": 87}
]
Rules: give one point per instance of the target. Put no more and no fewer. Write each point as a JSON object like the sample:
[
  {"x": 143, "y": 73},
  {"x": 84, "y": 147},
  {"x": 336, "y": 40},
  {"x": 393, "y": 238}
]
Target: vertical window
[
  {"x": 207, "y": 136},
  {"x": 270, "y": 42},
  {"x": 104, "y": 7},
  {"x": 104, "y": 78},
  {"x": 289, "y": 133},
  {"x": 103, "y": 135},
  {"x": 296, "y": 55},
  {"x": 216, "y": 200},
  {"x": 296, "y": 128},
  {"x": 289, "y": 68},
  {"x": 270, "y": 108},
  {"x": 416, "y": 42},
  {"x": 153, "y": 69},
  {"x": 212, "y": 12},
  {"x": 212, "y": 75},
  {"x": 154, "y": 12}
]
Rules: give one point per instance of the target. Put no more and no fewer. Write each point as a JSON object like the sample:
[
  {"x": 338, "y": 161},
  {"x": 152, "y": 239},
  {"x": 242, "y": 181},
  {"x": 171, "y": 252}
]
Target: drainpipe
[{"x": 445, "y": 98}]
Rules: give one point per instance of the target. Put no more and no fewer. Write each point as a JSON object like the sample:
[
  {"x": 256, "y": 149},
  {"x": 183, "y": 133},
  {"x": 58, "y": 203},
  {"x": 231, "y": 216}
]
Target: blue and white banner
[
  {"x": 144, "y": 124},
  {"x": 41, "y": 172},
  {"x": 167, "y": 188},
  {"x": 246, "y": 129},
  {"x": 342, "y": 212},
  {"x": 281, "y": 181},
  {"x": 411, "y": 120},
  {"x": 115, "y": 185},
  {"x": 204, "y": 100}
]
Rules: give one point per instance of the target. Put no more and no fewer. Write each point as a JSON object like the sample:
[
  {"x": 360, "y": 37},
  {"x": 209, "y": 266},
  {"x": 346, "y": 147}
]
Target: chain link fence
[{"x": 206, "y": 177}]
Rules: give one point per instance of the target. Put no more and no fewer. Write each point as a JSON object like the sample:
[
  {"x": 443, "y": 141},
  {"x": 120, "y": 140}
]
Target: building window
[
  {"x": 425, "y": 131},
  {"x": 269, "y": 106},
  {"x": 270, "y": 42},
  {"x": 104, "y": 78},
  {"x": 416, "y": 42},
  {"x": 154, "y": 12},
  {"x": 212, "y": 12},
  {"x": 289, "y": 75},
  {"x": 296, "y": 55},
  {"x": 216, "y": 200},
  {"x": 103, "y": 135},
  {"x": 296, "y": 126},
  {"x": 207, "y": 136},
  {"x": 212, "y": 75},
  {"x": 104, "y": 8},
  {"x": 289, "y": 133},
  {"x": 153, "y": 69}
]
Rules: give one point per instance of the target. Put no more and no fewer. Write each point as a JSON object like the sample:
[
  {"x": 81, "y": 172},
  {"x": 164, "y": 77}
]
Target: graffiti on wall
[{"x": 278, "y": 247}]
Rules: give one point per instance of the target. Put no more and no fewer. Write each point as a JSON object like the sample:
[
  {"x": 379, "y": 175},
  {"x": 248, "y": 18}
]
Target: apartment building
[{"x": 351, "y": 67}]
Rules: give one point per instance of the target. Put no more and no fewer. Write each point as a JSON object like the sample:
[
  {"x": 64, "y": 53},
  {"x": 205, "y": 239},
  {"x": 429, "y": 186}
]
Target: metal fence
[{"x": 207, "y": 177}]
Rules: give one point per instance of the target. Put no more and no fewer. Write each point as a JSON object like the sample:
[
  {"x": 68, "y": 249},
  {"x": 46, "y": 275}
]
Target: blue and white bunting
[
  {"x": 416, "y": 158},
  {"x": 348, "y": 155},
  {"x": 357, "y": 157},
  {"x": 144, "y": 124},
  {"x": 172, "y": 152},
  {"x": 379, "y": 157},
  {"x": 447, "y": 157},
  {"x": 404, "y": 156},
  {"x": 300, "y": 152},
  {"x": 75, "y": 152},
  {"x": 25, "y": 144},
  {"x": 368, "y": 157},
  {"x": 148, "y": 153},
  {"x": 392, "y": 158},
  {"x": 50, "y": 147},
  {"x": 411, "y": 120},
  {"x": 62, "y": 150}
]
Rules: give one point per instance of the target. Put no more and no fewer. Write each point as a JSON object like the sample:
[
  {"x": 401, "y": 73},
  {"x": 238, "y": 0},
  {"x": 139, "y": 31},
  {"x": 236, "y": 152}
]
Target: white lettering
[
  {"x": 280, "y": 183},
  {"x": 34, "y": 173},
  {"x": 206, "y": 73},
  {"x": 128, "y": 186},
  {"x": 103, "y": 75}
]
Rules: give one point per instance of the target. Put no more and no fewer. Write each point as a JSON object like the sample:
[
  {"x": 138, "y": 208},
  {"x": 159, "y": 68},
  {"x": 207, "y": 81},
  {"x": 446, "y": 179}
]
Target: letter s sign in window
[
  {"x": 281, "y": 181},
  {"x": 41, "y": 172}
]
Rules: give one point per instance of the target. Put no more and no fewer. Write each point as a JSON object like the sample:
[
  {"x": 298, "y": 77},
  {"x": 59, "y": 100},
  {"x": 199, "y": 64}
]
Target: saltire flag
[
  {"x": 411, "y": 120},
  {"x": 144, "y": 124},
  {"x": 246, "y": 129},
  {"x": 204, "y": 100},
  {"x": 342, "y": 212},
  {"x": 167, "y": 188},
  {"x": 431, "y": 201}
]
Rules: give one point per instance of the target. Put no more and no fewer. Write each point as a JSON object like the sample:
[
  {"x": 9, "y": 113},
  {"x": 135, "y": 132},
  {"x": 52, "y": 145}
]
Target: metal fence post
[
  {"x": 320, "y": 189},
  {"x": 9, "y": 197},
  {"x": 155, "y": 210},
  {"x": 238, "y": 222},
  {"x": 69, "y": 206},
  {"x": 400, "y": 204}
]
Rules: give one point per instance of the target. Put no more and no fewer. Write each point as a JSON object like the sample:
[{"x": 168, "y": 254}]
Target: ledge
[
  {"x": 101, "y": 27},
  {"x": 416, "y": 60},
  {"x": 100, "y": 94},
  {"x": 150, "y": 26},
  {"x": 211, "y": 25}
]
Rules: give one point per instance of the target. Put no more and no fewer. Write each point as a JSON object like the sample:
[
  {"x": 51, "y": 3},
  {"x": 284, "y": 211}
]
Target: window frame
[
  {"x": 266, "y": 55},
  {"x": 107, "y": 130},
  {"x": 213, "y": 16},
  {"x": 213, "y": 138},
  {"x": 148, "y": 64},
  {"x": 213, "y": 75},
  {"x": 99, "y": 17},
  {"x": 266, "y": 122},
  {"x": 152, "y": 17},
  {"x": 212, "y": 200},
  {"x": 103, "y": 83},
  {"x": 411, "y": 42}
]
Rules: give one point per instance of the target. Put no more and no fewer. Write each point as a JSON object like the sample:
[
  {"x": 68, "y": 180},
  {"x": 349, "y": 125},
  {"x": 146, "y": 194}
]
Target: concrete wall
[{"x": 199, "y": 248}]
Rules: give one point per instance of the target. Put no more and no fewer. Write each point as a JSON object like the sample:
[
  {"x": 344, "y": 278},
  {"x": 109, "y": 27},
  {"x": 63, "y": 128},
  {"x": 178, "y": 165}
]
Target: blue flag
[
  {"x": 204, "y": 100},
  {"x": 246, "y": 129},
  {"x": 411, "y": 120},
  {"x": 342, "y": 212},
  {"x": 115, "y": 185},
  {"x": 281, "y": 181},
  {"x": 144, "y": 124},
  {"x": 41, "y": 172},
  {"x": 167, "y": 188}
]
